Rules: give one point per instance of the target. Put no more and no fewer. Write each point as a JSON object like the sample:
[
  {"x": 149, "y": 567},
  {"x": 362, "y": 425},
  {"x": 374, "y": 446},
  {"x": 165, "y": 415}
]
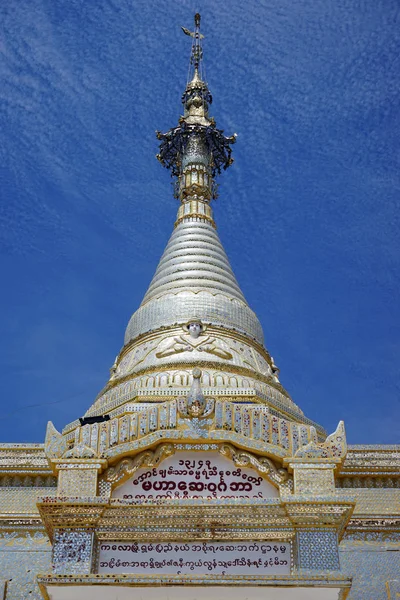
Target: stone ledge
[{"x": 329, "y": 585}]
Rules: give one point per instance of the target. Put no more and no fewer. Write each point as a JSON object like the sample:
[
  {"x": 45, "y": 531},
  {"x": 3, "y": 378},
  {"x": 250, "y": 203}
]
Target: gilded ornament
[
  {"x": 127, "y": 466},
  {"x": 259, "y": 463}
]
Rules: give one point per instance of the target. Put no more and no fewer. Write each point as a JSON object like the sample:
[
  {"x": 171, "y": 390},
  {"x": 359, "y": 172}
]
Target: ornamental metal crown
[{"x": 196, "y": 140}]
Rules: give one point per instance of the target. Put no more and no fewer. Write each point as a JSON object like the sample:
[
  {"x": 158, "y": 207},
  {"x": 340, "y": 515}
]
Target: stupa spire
[
  {"x": 196, "y": 98},
  {"x": 195, "y": 151},
  {"x": 194, "y": 318},
  {"x": 194, "y": 277}
]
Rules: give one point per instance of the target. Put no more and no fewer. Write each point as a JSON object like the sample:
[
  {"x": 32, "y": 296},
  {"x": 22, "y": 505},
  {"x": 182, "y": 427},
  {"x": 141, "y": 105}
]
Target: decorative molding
[
  {"x": 369, "y": 481},
  {"x": 263, "y": 465},
  {"x": 28, "y": 480},
  {"x": 320, "y": 579},
  {"x": 126, "y": 467},
  {"x": 23, "y": 459},
  {"x": 80, "y": 451}
]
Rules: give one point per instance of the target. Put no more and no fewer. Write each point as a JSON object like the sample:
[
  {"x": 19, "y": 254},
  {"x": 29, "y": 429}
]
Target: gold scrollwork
[
  {"x": 261, "y": 464},
  {"x": 127, "y": 466}
]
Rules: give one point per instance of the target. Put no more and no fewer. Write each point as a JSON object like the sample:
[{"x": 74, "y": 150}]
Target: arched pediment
[{"x": 171, "y": 472}]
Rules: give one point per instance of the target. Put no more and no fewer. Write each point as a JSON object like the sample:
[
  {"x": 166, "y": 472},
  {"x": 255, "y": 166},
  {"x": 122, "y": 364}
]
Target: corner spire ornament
[{"x": 195, "y": 151}]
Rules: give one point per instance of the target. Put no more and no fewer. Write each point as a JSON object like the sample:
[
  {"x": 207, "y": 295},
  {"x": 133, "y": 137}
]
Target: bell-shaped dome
[{"x": 194, "y": 279}]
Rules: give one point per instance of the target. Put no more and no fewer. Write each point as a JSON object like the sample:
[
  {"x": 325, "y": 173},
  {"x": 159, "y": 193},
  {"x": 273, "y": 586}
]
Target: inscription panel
[
  {"x": 177, "y": 558},
  {"x": 195, "y": 475}
]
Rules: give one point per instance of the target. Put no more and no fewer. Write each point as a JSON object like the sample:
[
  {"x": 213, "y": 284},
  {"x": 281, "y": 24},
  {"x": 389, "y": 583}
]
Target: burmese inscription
[
  {"x": 214, "y": 558},
  {"x": 195, "y": 475}
]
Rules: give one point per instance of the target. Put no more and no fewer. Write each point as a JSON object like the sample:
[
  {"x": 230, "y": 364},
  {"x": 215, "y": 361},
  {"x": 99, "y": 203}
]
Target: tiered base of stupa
[{"x": 217, "y": 498}]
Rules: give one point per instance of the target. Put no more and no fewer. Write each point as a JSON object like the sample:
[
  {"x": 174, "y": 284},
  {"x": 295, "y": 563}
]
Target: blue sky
[{"x": 308, "y": 213}]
